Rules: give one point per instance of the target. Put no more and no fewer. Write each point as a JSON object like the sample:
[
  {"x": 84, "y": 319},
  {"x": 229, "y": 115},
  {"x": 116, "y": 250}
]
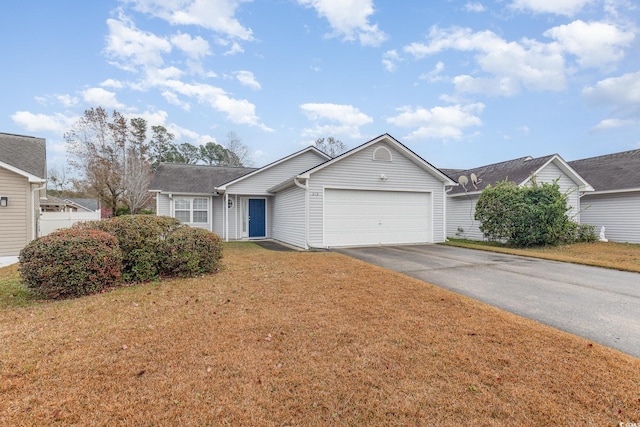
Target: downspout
[
  {"x": 226, "y": 216},
  {"x": 305, "y": 187},
  {"x": 35, "y": 224}
]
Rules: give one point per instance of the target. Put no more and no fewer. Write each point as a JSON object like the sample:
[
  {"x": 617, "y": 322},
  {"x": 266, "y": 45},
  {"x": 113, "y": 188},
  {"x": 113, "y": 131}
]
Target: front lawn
[
  {"x": 619, "y": 256},
  {"x": 290, "y": 338}
]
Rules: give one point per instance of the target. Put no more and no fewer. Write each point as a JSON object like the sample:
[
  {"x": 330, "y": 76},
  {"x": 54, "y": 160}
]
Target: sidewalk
[{"x": 8, "y": 260}]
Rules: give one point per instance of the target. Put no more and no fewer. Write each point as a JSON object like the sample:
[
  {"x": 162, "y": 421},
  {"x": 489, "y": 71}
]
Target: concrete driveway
[{"x": 598, "y": 304}]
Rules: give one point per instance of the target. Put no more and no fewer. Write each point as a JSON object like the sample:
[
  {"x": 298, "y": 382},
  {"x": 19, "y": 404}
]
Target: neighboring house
[
  {"x": 23, "y": 177},
  {"x": 462, "y": 200},
  {"x": 615, "y": 203},
  {"x": 56, "y": 204},
  {"x": 378, "y": 193}
]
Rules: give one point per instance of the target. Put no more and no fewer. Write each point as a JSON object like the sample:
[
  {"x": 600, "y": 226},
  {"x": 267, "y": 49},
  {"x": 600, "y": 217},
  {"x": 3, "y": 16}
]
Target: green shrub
[
  {"x": 70, "y": 263},
  {"x": 140, "y": 238},
  {"x": 534, "y": 215},
  {"x": 189, "y": 252}
]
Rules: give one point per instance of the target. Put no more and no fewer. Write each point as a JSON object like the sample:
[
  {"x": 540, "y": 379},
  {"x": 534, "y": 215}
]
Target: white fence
[{"x": 51, "y": 221}]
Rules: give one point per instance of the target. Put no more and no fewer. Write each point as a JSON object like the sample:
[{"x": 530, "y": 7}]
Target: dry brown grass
[
  {"x": 619, "y": 256},
  {"x": 283, "y": 339}
]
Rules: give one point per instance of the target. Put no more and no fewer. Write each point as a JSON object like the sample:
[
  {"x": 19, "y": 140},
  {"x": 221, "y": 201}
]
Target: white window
[
  {"x": 382, "y": 154},
  {"x": 193, "y": 210}
]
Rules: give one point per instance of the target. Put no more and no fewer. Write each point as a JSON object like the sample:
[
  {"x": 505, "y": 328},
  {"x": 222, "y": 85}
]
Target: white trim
[
  {"x": 223, "y": 187},
  {"x": 625, "y": 190},
  {"x": 389, "y": 140},
  {"x": 564, "y": 167},
  {"x": 32, "y": 178}
]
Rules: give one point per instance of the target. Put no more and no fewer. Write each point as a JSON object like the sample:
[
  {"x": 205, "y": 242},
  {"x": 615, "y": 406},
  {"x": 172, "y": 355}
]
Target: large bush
[
  {"x": 526, "y": 216},
  {"x": 71, "y": 263},
  {"x": 188, "y": 252},
  {"x": 140, "y": 238}
]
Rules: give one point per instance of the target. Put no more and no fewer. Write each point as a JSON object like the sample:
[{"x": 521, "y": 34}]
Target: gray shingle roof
[
  {"x": 27, "y": 153},
  {"x": 195, "y": 179},
  {"x": 89, "y": 204},
  {"x": 617, "y": 171},
  {"x": 516, "y": 170}
]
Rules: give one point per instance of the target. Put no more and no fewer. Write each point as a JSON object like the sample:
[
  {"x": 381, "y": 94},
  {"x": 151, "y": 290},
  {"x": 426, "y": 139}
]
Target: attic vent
[{"x": 382, "y": 154}]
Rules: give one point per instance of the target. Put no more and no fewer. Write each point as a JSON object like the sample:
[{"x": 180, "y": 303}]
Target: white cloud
[
  {"x": 101, "y": 97},
  {"x": 557, "y": 7},
  {"x": 247, "y": 79},
  {"x": 334, "y": 120},
  {"x": 609, "y": 124},
  {"x": 193, "y": 47},
  {"x": 474, "y": 7},
  {"x": 131, "y": 47},
  {"x": 57, "y": 123},
  {"x": 623, "y": 91},
  {"x": 596, "y": 44},
  {"x": 172, "y": 98},
  {"x": 509, "y": 65},
  {"x": 389, "y": 60},
  {"x": 438, "y": 122},
  {"x": 216, "y": 15},
  {"x": 349, "y": 19},
  {"x": 115, "y": 84},
  {"x": 434, "y": 75}
]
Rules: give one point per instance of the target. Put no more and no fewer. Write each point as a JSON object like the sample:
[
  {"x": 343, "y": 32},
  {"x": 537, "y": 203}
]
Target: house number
[{"x": 315, "y": 193}]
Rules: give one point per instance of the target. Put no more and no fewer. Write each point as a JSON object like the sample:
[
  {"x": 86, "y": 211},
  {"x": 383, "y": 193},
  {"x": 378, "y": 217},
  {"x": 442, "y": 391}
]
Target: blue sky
[{"x": 461, "y": 83}]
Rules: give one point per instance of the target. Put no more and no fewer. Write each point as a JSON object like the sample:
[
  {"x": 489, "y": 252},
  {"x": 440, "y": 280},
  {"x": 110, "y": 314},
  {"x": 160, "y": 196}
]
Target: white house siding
[
  {"x": 289, "y": 217},
  {"x": 259, "y": 183},
  {"x": 359, "y": 171},
  {"x": 460, "y": 215},
  {"x": 217, "y": 212},
  {"x": 617, "y": 212},
  {"x": 15, "y": 227},
  {"x": 567, "y": 186},
  {"x": 163, "y": 205}
]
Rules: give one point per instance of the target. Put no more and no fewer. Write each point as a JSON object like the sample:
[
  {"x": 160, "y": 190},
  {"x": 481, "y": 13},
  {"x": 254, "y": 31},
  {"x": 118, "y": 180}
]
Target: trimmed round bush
[
  {"x": 140, "y": 238},
  {"x": 189, "y": 252},
  {"x": 71, "y": 263}
]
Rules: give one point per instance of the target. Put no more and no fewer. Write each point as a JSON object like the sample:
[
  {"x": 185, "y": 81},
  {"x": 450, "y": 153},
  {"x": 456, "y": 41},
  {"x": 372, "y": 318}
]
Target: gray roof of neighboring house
[
  {"x": 89, "y": 204},
  {"x": 516, "y": 170},
  {"x": 194, "y": 179},
  {"x": 27, "y": 153},
  {"x": 617, "y": 171}
]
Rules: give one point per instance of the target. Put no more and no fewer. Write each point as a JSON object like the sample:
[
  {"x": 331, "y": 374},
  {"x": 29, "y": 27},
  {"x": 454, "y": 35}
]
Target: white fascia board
[
  {"x": 32, "y": 178},
  {"x": 568, "y": 170},
  {"x": 223, "y": 187},
  {"x": 392, "y": 141},
  {"x": 625, "y": 190}
]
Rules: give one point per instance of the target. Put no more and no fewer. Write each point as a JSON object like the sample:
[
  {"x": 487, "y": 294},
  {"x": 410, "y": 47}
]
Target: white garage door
[{"x": 360, "y": 217}]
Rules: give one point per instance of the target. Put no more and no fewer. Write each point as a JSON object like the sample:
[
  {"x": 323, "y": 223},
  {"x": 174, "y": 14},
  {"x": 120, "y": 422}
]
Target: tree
[
  {"x": 137, "y": 173},
  {"x": 211, "y": 153},
  {"x": 187, "y": 153},
  {"x": 525, "y": 216},
  {"x": 236, "y": 153},
  {"x": 97, "y": 145},
  {"x": 331, "y": 146},
  {"x": 161, "y": 147}
]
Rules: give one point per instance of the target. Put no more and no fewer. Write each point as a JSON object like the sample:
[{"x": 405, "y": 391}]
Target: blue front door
[{"x": 257, "y": 216}]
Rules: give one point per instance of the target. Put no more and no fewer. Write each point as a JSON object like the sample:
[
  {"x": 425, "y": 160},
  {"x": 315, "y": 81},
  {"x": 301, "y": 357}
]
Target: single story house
[
  {"x": 615, "y": 203},
  {"x": 462, "y": 200},
  {"x": 23, "y": 177},
  {"x": 377, "y": 193}
]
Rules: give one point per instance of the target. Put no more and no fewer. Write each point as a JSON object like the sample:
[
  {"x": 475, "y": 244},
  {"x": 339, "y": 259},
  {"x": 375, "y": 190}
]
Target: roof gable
[
  {"x": 24, "y": 155},
  {"x": 426, "y": 166},
  {"x": 311, "y": 148},
  {"x": 611, "y": 172},
  {"x": 519, "y": 170}
]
